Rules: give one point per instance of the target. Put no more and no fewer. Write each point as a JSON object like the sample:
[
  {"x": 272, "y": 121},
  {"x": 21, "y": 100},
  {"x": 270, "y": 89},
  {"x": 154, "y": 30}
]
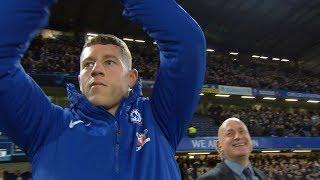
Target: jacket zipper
[
  {"x": 118, "y": 132},
  {"x": 117, "y": 146}
]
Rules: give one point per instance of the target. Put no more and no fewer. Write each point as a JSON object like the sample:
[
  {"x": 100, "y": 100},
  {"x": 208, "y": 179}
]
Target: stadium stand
[
  {"x": 17, "y": 175},
  {"x": 62, "y": 56},
  {"x": 276, "y": 166},
  {"x": 265, "y": 121},
  {"x": 261, "y": 75}
]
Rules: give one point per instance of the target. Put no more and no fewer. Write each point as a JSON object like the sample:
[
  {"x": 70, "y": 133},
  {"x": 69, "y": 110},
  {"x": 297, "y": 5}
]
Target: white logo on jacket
[
  {"x": 135, "y": 117},
  {"x": 142, "y": 139},
  {"x": 73, "y": 123}
]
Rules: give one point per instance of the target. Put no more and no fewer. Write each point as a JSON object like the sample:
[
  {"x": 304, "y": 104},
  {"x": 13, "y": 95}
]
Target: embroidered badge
[
  {"x": 135, "y": 117},
  {"x": 142, "y": 139}
]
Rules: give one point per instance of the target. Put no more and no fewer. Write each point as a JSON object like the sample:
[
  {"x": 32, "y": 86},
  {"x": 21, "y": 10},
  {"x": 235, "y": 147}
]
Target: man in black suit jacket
[{"x": 234, "y": 146}]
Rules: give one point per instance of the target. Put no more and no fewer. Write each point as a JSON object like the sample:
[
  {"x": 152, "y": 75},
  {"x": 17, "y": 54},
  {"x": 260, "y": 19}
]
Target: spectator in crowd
[{"x": 234, "y": 145}]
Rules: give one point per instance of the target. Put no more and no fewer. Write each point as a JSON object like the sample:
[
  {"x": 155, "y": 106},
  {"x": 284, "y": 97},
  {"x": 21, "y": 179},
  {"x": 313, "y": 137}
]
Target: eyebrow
[
  {"x": 87, "y": 59},
  {"x": 110, "y": 56},
  {"x": 104, "y": 57},
  {"x": 241, "y": 128},
  {"x": 118, "y": 60},
  {"x": 228, "y": 130}
]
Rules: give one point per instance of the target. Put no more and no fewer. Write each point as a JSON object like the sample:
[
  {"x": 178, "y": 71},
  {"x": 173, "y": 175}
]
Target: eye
[
  {"x": 88, "y": 64},
  {"x": 109, "y": 62},
  {"x": 229, "y": 134}
]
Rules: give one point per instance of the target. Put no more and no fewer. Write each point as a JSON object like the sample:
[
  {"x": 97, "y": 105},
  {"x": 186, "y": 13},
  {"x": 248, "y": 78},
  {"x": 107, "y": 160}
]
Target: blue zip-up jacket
[{"x": 82, "y": 141}]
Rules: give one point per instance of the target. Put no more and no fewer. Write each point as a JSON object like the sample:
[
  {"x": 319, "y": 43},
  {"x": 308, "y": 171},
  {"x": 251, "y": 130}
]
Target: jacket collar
[{"x": 87, "y": 110}]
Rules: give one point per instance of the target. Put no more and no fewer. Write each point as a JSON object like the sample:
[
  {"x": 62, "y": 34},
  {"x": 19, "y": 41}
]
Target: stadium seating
[
  {"x": 279, "y": 166},
  {"x": 62, "y": 56}
]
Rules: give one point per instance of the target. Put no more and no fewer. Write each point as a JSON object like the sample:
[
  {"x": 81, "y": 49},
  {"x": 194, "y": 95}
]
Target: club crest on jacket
[
  {"x": 135, "y": 117},
  {"x": 142, "y": 139}
]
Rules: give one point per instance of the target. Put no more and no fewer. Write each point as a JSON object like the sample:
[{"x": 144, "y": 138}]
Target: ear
[
  {"x": 79, "y": 83},
  {"x": 218, "y": 146},
  {"x": 133, "y": 76},
  {"x": 220, "y": 150}
]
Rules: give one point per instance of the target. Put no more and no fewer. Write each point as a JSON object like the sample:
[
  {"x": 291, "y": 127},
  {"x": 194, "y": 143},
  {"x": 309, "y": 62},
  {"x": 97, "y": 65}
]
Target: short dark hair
[{"x": 105, "y": 39}]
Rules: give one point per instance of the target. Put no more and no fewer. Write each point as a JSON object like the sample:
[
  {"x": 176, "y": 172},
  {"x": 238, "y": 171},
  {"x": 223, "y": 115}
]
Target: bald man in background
[{"x": 234, "y": 146}]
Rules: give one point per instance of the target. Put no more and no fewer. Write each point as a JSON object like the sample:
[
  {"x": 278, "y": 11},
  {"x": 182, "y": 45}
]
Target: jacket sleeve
[
  {"x": 26, "y": 115},
  {"x": 182, "y": 62}
]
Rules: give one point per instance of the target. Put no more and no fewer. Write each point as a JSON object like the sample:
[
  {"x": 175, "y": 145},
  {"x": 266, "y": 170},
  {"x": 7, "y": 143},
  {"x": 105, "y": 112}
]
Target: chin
[
  {"x": 242, "y": 152},
  {"x": 96, "y": 100}
]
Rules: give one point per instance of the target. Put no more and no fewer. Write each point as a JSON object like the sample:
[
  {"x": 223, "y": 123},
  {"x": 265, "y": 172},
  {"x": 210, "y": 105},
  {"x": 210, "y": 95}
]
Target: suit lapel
[
  {"x": 259, "y": 173},
  {"x": 226, "y": 171}
]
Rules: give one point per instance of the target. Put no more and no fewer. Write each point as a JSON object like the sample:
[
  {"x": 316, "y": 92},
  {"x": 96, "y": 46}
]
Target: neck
[
  {"x": 243, "y": 161},
  {"x": 113, "y": 110}
]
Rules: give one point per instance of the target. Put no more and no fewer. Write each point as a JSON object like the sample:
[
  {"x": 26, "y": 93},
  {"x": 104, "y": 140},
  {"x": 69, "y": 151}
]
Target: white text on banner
[{"x": 235, "y": 90}]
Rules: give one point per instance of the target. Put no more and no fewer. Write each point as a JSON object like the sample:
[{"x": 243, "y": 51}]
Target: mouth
[
  {"x": 96, "y": 84},
  {"x": 239, "y": 145}
]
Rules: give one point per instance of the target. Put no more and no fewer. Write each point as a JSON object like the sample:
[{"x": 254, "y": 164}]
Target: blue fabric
[
  {"x": 237, "y": 170},
  {"x": 86, "y": 142}
]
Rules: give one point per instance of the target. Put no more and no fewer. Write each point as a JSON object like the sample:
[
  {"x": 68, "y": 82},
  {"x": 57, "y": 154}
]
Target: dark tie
[{"x": 247, "y": 173}]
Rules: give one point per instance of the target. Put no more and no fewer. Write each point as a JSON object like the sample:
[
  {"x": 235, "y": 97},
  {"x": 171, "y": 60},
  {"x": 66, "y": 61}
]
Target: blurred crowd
[
  {"x": 282, "y": 166},
  {"x": 264, "y": 121},
  {"x": 15, "y": 175},
  {"x": 52, "y": 56},
  {"x": 62, "y": 56},
  {"x": 276, "y": 167},
  {"x": 257, "y": 74}
]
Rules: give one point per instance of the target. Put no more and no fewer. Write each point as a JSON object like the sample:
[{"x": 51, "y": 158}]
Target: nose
[
  {"x": 237, "y": 136},
  {"x": 97, "y": 69}
]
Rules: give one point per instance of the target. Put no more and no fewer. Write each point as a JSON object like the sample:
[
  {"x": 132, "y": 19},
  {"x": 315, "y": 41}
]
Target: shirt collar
[{"x": 237, "y": 168}]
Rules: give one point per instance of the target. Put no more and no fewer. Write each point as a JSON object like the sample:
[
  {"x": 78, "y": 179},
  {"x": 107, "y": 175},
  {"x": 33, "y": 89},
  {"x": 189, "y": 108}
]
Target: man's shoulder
[
  {"x": 260, "y": 173},
  {"x": 214, "y": 173}
]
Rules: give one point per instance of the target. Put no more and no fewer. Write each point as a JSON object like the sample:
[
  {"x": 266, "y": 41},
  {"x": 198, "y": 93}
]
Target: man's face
[
  {"x": 234, "y": 140},
  {"x": 103, "y": 78}
]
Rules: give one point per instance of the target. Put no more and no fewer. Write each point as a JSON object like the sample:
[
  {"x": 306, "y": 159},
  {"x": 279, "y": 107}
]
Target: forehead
[
  {"x": 233, "y": 125},
  {"x": 100, "y": 50}
]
